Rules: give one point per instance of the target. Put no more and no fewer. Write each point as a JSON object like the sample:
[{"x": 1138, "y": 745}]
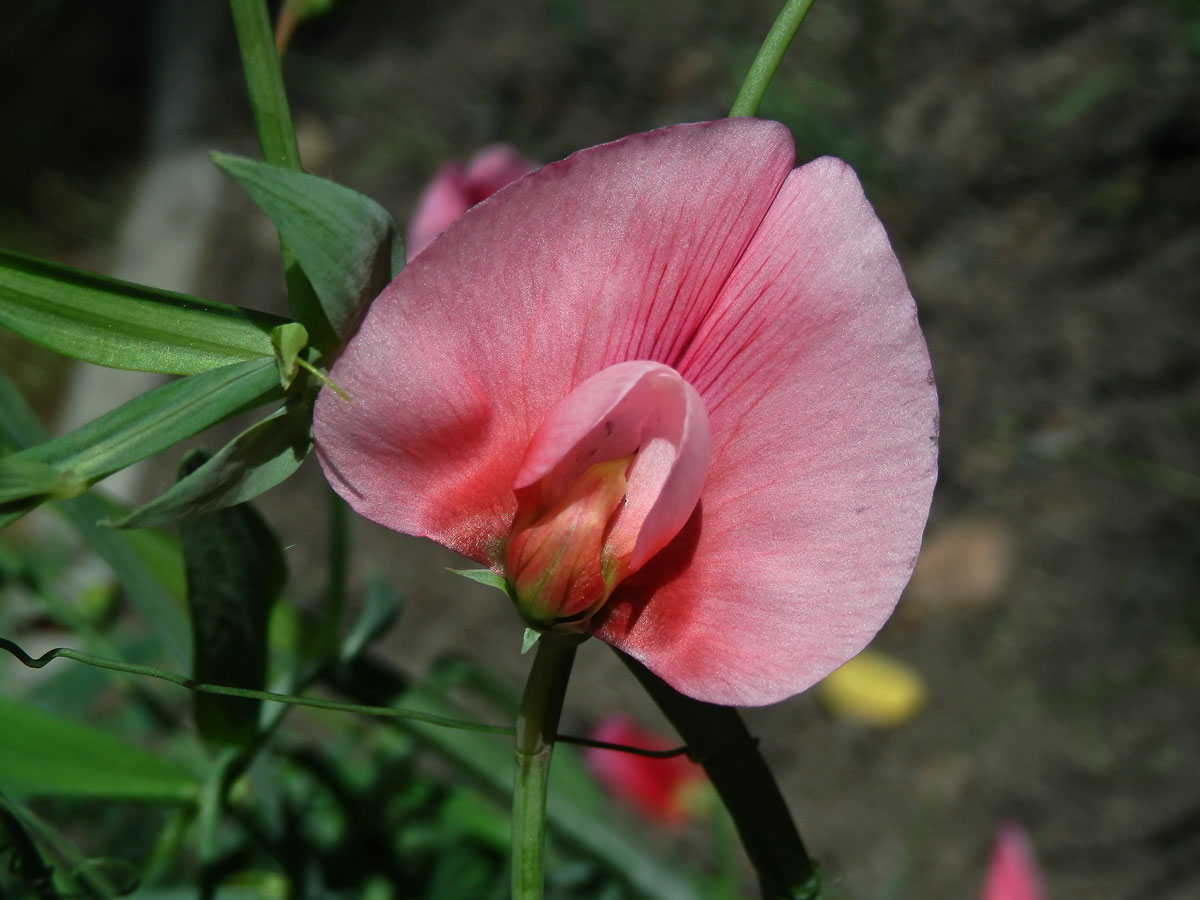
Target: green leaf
[
  {"x": 346, "y": 243},
  {"x": 125, "y": 326},
  {"x": 381, "y": 606},
  {"x": 235, "y": 571},
  {"x": 22, "y": 476},
  {"x": 255, "y": 461},
  {"x": 137, "y": 429},
  {"x": 575, "y": 808},
  {"x": 48, "y": 756},
  {"x": 147, "y": 569}
]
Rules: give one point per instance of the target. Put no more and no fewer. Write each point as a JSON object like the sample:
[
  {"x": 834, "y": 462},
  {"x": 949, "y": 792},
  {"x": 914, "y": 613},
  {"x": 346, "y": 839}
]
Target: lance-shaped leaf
[
  {"x": 346, "y": 243},
  {"x": 381, "y": 608},
  {"x": 717, "y": 738},
  {"x": 235, "y": 571},
  {"x": 136, "y": 430},
  {"x": 144, "y": 564},
  {"x": 259, "y": 458},
  {"x": 45, "y": 755},
  {"x": 125, "y": 326}
]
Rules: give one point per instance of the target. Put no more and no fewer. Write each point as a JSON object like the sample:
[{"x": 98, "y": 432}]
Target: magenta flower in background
[
  {"x": 1012, "y": 872},
  {"x": 668, "y": 791},
  {"x": 674, "y": 390},
  {"x": 456, "y": 188}
]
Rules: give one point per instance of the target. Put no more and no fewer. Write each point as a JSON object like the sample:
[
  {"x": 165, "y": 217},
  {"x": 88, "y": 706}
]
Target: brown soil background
[{"x": 1038, "y": 167}]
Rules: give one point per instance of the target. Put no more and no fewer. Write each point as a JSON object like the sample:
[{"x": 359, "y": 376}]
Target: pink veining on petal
[
  {"x": 1012, "y": 872},
  {"x": 818, "y": 387}
]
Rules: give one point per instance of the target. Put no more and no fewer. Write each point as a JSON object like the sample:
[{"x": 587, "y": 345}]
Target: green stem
[
  {"x": 277, "y": 138},
  {"x": 264, "y": 81},
  {"x": 762, "y": 70},
  {"x": 537, "y": 724},
  {"x": 385, "y": 712},
  {"x": 717, "y": 739}
]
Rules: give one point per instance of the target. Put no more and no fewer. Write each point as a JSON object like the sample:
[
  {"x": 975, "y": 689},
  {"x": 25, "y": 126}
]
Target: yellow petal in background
[{"x": 874, "y": 689}]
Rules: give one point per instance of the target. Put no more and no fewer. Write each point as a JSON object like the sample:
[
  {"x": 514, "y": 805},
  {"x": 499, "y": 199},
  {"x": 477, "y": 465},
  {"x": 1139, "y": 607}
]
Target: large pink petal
[
  {"x": 615, "y": 253},
  {"x": 824, "y": 418}
]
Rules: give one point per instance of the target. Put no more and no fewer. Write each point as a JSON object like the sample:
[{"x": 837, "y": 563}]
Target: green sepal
[
  {"x": 488, "y": 577},
  {"x": 288, "y": 341},
  {"x": 235, "y": 571},
  {"x": 122, "y": 325},
  {"x": 528, "y": 639},
  {"x": 135, "y": 430},
  {"x": 262, "y": 456},
  {"x": 346, "y": 244}
]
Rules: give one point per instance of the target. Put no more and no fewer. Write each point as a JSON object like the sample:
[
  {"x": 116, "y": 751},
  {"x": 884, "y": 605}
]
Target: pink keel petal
[
  {"x": 818, "y": 388},
  {"x": 1012, "y": 870},
  {"x": 641, "y": 408}
]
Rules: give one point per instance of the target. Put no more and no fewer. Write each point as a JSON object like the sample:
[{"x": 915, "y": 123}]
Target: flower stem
[
  {"x": 718, "y": 740},
  {"x": 536, "y": 725},
  {"x": 277, "y": 138},
  {"x": 762, "y": 70},
  {"x": 264, "y": 82}
]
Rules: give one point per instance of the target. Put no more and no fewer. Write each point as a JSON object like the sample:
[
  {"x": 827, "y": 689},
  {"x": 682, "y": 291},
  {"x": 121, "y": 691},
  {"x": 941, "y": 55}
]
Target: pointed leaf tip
[
  {"x": 346, "y": 243},
  {"x": 486, "y": 576},
  {"x": 528, "y": 639}
]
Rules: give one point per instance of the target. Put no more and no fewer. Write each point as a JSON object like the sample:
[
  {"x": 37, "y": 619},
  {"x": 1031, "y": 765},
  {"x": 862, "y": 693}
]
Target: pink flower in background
[
  {"x": 456, "y": 188},
  {"x": 1012, "y": 870},
  {"x": 668, "y": 791},
  {"x": 673, "y": 390}
]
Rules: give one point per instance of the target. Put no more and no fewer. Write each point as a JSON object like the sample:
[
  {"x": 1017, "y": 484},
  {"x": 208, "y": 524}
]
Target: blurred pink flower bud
[
  {"x": 1012, "y": 872},
  {"x": 668, "y": 791},
  {"x": 456, "y": 188}
]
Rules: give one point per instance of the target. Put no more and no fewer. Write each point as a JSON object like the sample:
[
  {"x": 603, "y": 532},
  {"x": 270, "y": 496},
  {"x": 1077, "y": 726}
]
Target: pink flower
[
  {"x": 1013, "y": 870},
  {"x": 456, "y": 188},
  {"x": 668, "y": 791},
  {"x": 672, "y": 389}
]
